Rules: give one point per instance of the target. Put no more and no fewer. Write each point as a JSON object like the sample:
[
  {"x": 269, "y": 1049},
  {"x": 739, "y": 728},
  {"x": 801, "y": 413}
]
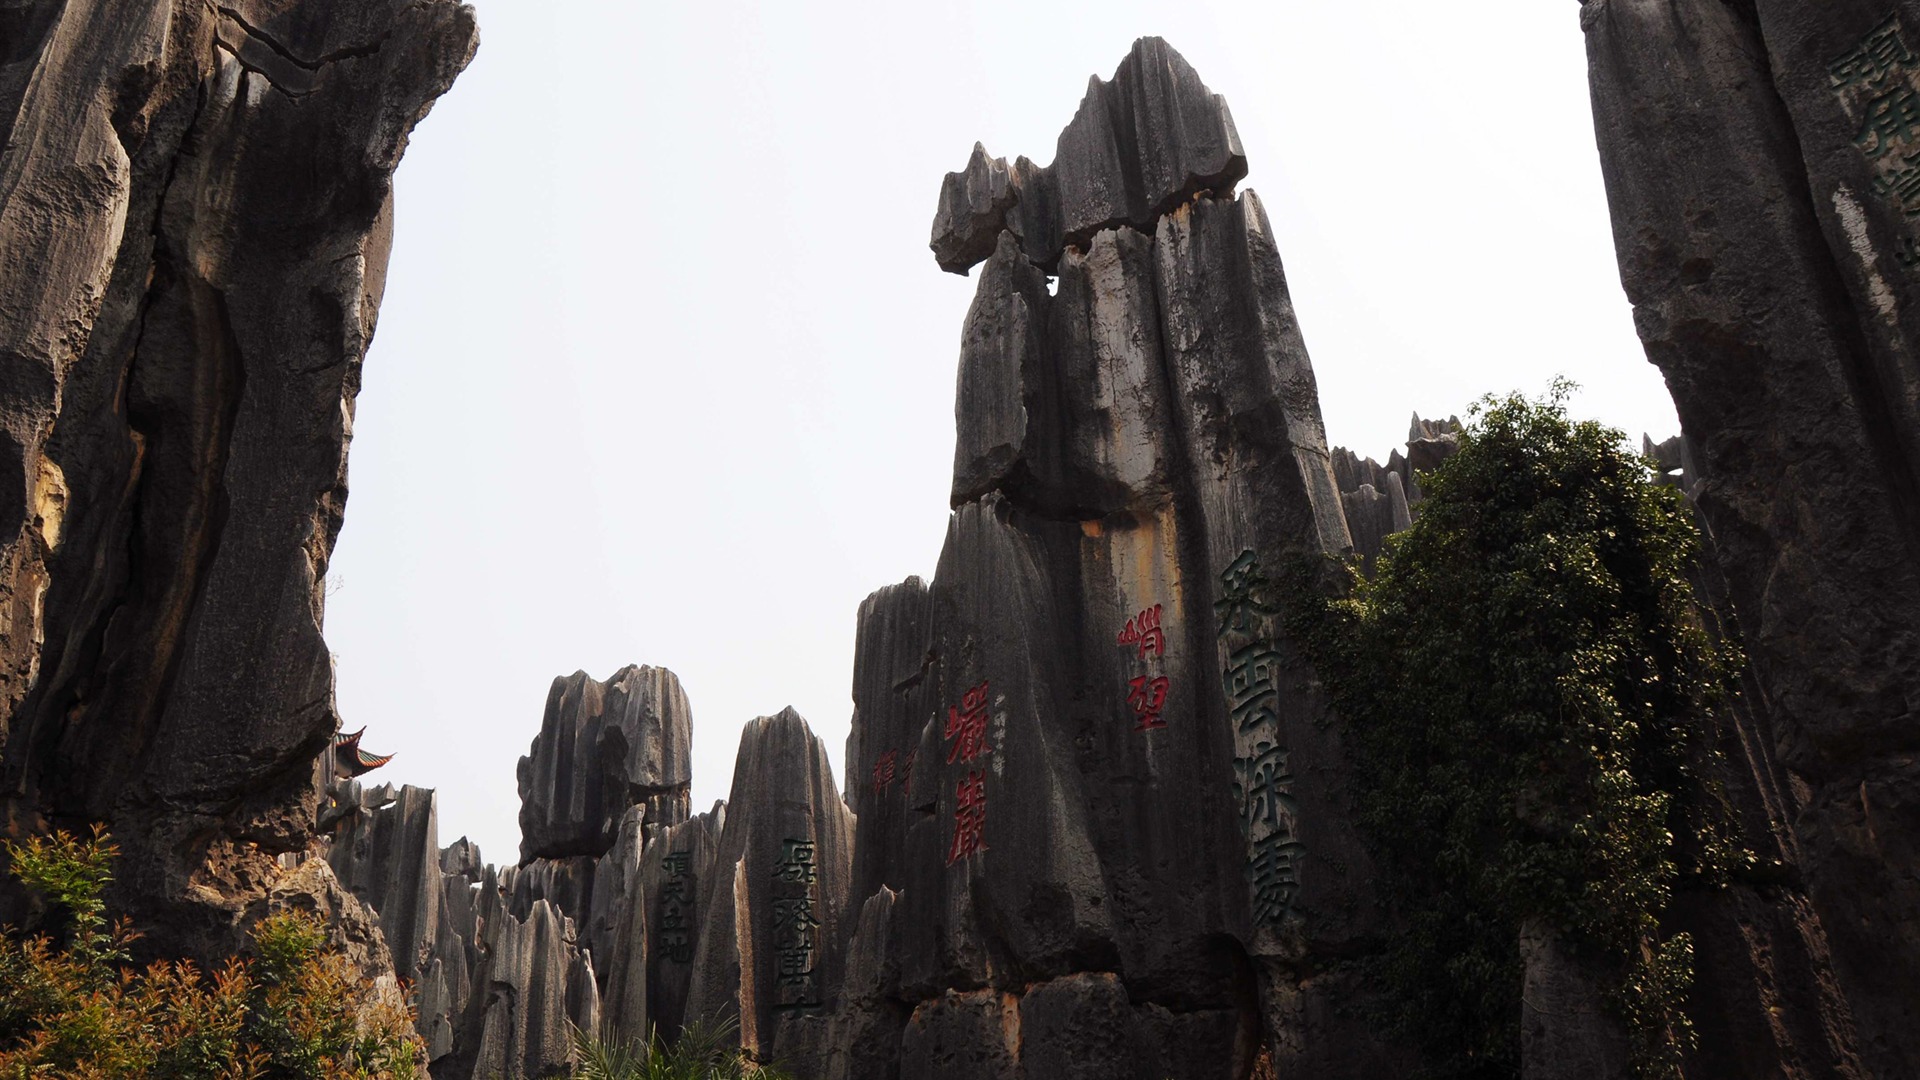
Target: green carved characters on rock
[{"x": 1263, "y": 783}]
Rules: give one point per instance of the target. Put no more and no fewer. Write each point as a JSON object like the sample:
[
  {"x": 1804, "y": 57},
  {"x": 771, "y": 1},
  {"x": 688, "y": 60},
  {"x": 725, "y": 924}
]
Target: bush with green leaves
[
  {"x": 1528, "y": 693},
  {"x": 72, "y": 1007},
  {"x": 702, "y": 1051}
]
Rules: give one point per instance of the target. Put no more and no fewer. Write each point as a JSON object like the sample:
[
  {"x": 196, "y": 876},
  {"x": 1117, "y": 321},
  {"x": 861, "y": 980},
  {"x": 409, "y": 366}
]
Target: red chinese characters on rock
[
  {"x": 883, "y": 772},
  {"x": 967, "y": 726},
  {"x": 967, "y": 732},
  {"x": 1147, "y": 696},
  {"x": 1147, "y": 693},
  {"x": 1144, "y": 630},
  {"x": 969, "y": 817}
]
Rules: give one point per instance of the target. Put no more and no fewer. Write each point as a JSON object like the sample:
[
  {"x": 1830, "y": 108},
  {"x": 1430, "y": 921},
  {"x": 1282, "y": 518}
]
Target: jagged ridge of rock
[
  {"x": 1139, "y": 146},
  {"x": 604, "y": 747},
  {"x": 1379, "y": 500},
  {"x": 195, "y": 230},
  {"x": 1756, "y": 161}
]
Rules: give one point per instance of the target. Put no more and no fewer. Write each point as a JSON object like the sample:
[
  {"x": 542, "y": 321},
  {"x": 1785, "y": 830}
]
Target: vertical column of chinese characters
[
  {"x": 1147, "y": 692},
  {"x": 967, "y": 732},
  {"x": 676, "y": 896},
  {"x": 794, "y": 925},
  {"x": 1874, "y": 82},
  {"x": 1263, "y": 783}
]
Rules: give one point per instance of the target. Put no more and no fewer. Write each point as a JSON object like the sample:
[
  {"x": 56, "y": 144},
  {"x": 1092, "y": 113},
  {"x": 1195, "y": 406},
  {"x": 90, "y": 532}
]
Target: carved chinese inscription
[
  {"x": 1875, "y": 83},
  {"x": 1147, "y": 692},
  {"x": 1147, "y": 696},
  {"x": 676, "y": 896},
  {"x": 1263, "y": 780},
  {"x": 969, "y": 817},
  {"x": 795, "y": 924},
  {"x": 967, "y": 726},
  {"x": 883, "y": 772},
  {"x": 796, "y": 862},
  {"x": 1879, "y": 56},
  {"x": 1264, "y": 786},
  {"x": 967, "y": 732},
  {"x": 1144, "y": 630},
  {"x": 1253, "y": 696}
]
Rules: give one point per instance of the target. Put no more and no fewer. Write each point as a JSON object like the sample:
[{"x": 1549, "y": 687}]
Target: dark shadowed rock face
[
  {"x": 891, "y": 661},
  {"x": 777, "y": 903},
  {"x": 677, "y": 875},
  {"x": 1756, "y": 159},
  {"x": 604, "y": 747},
  {"x": 194, "y": 235}
]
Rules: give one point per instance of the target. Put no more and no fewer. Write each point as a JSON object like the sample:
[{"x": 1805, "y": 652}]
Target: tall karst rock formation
[
  {"x": 195, "y": 215},
  {"x": 1103, "y": 823},
  {"x": 1761, "y": 161}
]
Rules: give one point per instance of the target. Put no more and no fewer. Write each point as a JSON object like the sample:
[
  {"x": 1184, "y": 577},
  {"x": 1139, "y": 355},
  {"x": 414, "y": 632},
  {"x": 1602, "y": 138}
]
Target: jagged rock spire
[{"x": 1140, "y": 145}]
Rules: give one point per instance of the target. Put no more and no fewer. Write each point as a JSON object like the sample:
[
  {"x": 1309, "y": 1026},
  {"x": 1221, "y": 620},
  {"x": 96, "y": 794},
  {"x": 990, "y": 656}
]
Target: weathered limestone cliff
[
  {"x": 195, "y": 216},
  {"x": 1759, "y": 159}
]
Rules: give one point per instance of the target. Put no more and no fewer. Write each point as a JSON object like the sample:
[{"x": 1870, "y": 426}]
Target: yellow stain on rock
[{"x": 50, "y": 501}]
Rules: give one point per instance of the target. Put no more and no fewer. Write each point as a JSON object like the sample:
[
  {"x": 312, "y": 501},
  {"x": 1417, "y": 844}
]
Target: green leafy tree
[
  {"x": 70, "y": 1007},
  {"x": 1528, "y": 692}
]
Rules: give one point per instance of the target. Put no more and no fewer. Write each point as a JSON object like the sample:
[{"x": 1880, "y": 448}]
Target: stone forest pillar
[
  {"x": 1762, "y": 162},
  {"x": 1102, "y": 818}
]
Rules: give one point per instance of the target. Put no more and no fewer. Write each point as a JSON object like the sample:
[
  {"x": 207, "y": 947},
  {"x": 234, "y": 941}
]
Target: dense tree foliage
[
  {"x": 71, "y": 1007},
  {"x": 1527, "y": 689}
]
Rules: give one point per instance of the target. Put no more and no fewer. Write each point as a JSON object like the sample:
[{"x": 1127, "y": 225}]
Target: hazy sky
[{"x": 665, "y": 371}]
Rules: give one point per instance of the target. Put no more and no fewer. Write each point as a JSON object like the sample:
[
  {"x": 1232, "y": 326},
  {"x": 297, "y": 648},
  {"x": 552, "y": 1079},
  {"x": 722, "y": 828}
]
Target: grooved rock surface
[
  {"x": 1754, "y": 157},
  {"x": 604, "y": 747},
  {"x": 778, "y": 902},
  {"x": 194, "y": 234},
  {"x": 386, "y": 851},
  {"x": 1140, "y": 145},
  {"x": 677, "y": 876},
  {"x": 384, "y": 848},
  {"x": 1098, "y": 794},
  {"x": 536, "y": 984}
]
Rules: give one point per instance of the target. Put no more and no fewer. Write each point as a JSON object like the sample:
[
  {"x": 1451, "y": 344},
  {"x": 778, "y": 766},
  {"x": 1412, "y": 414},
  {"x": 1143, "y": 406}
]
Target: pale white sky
[{"x": 665, "y": 370}]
